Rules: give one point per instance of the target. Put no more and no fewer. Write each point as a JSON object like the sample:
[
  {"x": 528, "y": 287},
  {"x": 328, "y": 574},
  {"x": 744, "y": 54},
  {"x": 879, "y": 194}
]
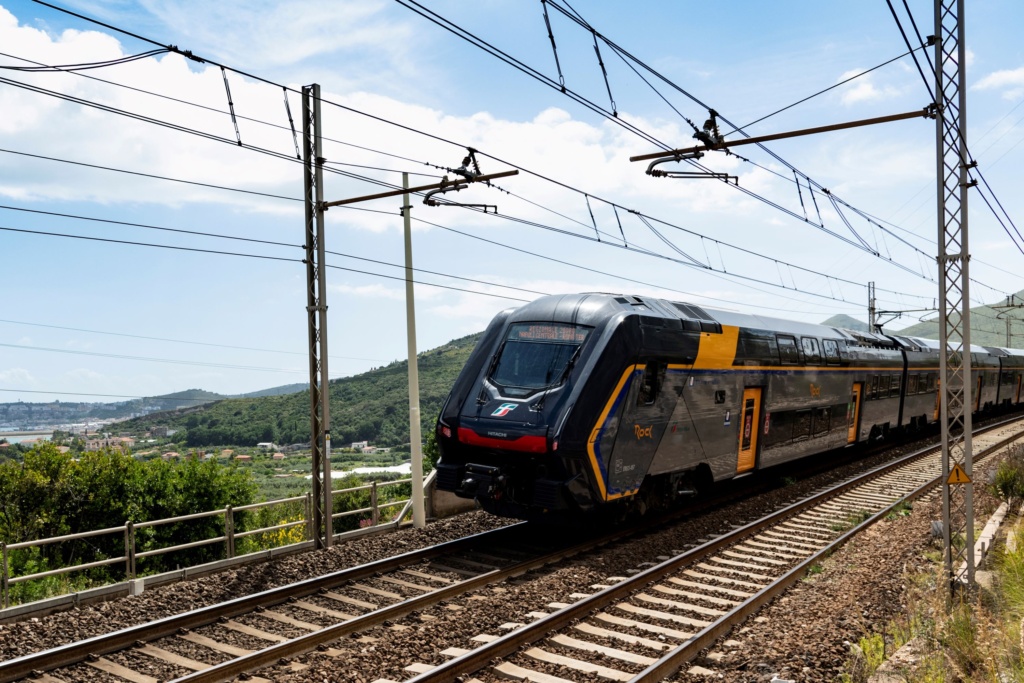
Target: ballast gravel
[
  {"x": 35, "y": 634},
  {"x": 806, "y": 634}
]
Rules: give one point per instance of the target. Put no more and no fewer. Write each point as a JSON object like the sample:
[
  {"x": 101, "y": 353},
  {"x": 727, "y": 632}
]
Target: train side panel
[{"x": 575, "y": 402}]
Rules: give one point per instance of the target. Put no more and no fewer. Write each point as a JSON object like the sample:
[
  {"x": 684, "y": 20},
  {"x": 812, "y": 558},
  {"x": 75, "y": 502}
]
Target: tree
[
  {"x": 431, "y": 452},
  {"x": 52, "y": 494}
]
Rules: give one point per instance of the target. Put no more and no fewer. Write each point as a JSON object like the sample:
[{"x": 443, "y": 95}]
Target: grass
[
  {"x": 852, "y": 520},
  {"x": 973, "y": 638},
  {"x": 902, "y": 509}
]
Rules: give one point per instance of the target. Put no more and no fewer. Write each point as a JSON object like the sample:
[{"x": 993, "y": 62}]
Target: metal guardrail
[{"x": 229, "y": 537}]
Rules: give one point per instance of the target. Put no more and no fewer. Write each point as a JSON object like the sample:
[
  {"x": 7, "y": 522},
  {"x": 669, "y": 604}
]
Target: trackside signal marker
[{"x": 958, "y": 476}]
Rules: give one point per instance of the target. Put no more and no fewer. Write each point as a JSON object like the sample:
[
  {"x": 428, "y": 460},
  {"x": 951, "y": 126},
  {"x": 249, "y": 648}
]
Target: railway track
[
  {"x": 346, "y": 595},
  {"x": 655, "y": 620},
  {"x": 234, "y": 636}
]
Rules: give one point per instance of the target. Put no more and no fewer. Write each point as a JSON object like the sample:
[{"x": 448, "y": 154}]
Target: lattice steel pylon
[
  {"x": 316, "y": 311},
  {"x": 956, "y": 388}
]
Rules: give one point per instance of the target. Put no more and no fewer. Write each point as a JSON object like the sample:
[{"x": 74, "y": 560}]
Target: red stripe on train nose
[{"x": 528, "y": 444}]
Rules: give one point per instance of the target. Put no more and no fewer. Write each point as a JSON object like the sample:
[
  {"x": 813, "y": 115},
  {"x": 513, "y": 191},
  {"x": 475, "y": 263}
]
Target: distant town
[{"x": 26, "y": 417}]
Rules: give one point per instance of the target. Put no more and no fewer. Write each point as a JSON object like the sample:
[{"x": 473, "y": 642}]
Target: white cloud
[
  {"x": 863, "y": 89},
  {"x": 1010, "y": 81},
  {"x": 85, "y": 375},
  {"x": 17, "y": 376},
  {"x": 594, "y": 156},
  {"x": 266, "y": 34}
]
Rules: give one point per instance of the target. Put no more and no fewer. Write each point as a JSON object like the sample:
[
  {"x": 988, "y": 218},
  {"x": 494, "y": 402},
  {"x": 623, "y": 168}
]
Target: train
[{"x": 581, "y": 402}]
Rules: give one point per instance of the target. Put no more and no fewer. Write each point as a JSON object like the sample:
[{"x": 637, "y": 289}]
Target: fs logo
[{"x": 504, "y": 409}]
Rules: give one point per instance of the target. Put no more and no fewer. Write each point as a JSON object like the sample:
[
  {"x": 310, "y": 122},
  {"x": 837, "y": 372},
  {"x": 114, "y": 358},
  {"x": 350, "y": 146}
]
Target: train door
[
  {"x": 747, "y": 455},
  {"x": 853, "y": 413},
  {"x": 938, "y": 399},
  {"x": 977, "y": 395},
  {"x": 1016, "y": 398}
]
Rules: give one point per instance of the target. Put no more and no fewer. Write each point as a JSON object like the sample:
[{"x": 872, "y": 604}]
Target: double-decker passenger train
[{"x": 574, "y": 402}]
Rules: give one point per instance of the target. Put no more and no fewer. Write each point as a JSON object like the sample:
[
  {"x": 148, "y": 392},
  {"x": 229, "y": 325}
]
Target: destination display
[{"x": 559, "y": 332}]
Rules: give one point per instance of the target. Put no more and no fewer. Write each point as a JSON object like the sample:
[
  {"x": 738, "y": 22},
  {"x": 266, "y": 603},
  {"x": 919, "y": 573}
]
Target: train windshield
[{"x": 536, "y": 356}]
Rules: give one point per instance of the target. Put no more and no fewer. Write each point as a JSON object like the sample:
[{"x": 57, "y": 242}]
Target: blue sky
[{"x": 745, "y": 59}]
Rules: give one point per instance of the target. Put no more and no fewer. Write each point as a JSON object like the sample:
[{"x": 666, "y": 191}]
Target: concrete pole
[
  {"x": 871, "y": 307},
  {"x": 415, "y": 437}
]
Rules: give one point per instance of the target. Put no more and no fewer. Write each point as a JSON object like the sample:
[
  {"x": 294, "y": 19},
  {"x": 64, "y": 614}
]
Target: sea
[
  {"x": 404, "y": 468},
  {"x": 24, "y": 437}
]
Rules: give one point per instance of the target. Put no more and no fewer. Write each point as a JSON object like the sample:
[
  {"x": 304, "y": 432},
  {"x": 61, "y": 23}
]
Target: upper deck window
[
  {"x": 831, "y": 348},
  {"x": 810, "y": 347},
  {"x": 536, "y": 356},
  {"x": 788, "y": 351}
]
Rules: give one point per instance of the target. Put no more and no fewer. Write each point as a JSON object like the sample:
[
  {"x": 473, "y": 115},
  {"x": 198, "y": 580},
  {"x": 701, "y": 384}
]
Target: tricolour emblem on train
[{"x": 504, "y": 409}]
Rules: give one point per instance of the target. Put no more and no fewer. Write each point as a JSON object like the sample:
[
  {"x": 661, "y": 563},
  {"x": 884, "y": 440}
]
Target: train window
[
  {"x": 831, "y": 349},
  {"x": 894, "y": 386},
  {"x": 933, "y": 380},
  {"x": 758, "y": 349},
  {"x": 788, "y": 352},
  {"x": 873, "y": 389},
  {"x": 536, "y": 356},
  {"x": 802, "y": 420},
  {"x": 654, "y": 375},
  {"x": 810, "y": 347},
  {"x": 822, "y": 420},
  {"x": 912, "y": 382},
  {"x": 780, "y": 429}
]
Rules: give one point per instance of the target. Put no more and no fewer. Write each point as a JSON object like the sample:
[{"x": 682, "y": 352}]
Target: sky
[{"x": 89, "y": 320}]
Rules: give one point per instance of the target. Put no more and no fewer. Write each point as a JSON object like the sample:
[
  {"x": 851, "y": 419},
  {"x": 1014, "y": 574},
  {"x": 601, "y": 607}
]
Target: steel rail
[
  {"x": 228, "y": 670},
  {"x": 510, "y": 643},
  {"x": 674, "y": 659},
  {"x": 73, "y": 653}
]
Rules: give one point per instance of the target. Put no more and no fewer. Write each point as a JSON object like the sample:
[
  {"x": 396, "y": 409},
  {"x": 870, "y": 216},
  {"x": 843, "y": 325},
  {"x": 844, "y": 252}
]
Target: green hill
[
  {"x": 846, "y": 322},
  {"x": 373, "y": 406},
  {"x": 274, "y": 391},
  {"x": 986, "y": 329}
]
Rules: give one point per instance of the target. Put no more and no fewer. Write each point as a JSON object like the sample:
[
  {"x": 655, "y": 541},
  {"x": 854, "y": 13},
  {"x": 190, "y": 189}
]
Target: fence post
[
  {"x": 375, "y": 515},
  {"x": 229, "y": 531},
  {"x": 129, "y": 548},
  {"x": 3, "y": 572},
  {"x": 307, "y": 505}
]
